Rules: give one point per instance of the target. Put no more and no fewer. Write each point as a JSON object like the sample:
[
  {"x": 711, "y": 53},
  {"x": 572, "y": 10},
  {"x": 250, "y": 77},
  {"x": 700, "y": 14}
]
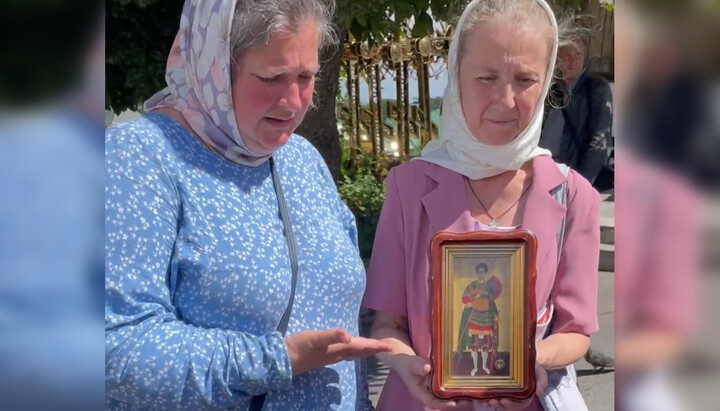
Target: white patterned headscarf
[
  {"x": 199, "y": 79},
  {"x": 458, "y": 149}
]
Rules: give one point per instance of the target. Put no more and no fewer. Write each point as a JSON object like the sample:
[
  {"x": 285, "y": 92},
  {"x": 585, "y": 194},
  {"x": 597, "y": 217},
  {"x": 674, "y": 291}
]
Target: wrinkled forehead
[
  {"x": 500, "y": 32},
  {"x": 508, "y": 34}
]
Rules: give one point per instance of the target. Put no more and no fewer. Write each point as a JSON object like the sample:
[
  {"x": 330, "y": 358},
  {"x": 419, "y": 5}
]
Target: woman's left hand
[{"x": 541, "y": 382}]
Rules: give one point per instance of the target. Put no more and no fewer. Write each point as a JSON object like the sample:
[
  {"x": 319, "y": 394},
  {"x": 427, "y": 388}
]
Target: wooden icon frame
[{"x": 508, "y": 280}]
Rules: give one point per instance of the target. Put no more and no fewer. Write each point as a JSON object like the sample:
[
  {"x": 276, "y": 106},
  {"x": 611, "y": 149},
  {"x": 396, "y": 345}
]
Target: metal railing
[{"x": 398, "y": 128}]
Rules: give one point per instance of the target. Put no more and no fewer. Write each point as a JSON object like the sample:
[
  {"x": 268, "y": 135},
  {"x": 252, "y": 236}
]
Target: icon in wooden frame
[{"x": 483, "y": 314}]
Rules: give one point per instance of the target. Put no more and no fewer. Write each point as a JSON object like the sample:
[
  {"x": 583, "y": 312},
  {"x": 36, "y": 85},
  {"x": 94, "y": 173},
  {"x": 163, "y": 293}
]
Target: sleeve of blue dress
[
  {"x": 152, "y": 358},
  {"x": 363, "y": 402}
]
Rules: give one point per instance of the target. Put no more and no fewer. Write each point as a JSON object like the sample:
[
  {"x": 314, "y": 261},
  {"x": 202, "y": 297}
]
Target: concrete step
[
  {"x": 607, "y": 231},
  {"x": 607, "y": 257},
  {"x": 607, "y": 220}
]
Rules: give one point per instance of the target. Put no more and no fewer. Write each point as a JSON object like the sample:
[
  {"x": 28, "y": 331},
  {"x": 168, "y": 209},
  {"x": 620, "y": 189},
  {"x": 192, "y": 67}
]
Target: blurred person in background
[
  {"x": 578, "y": 128},
  {"x": 670, "y": 120},
  {"x": 51, "y": 215},
  {"x": 657, "y": 229}
]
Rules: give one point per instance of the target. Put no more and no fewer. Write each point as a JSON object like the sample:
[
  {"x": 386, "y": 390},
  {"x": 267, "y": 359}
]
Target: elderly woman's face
[
  {"x": 273, "y": 86},
  {"x": 571, "y": 60},
  {"x": 502, "y": 73}
]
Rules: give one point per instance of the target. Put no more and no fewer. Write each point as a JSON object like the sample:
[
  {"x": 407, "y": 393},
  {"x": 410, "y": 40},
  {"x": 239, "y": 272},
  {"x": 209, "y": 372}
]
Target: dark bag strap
[{"x": 258, "y": 401}]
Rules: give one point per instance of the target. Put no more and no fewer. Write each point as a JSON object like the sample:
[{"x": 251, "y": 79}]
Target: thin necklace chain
[{"x": 494, "y": 220}]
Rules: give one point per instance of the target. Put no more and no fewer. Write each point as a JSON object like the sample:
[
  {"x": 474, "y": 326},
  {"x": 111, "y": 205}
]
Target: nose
[
  {"x": 505, "y": 95},
  {"x": 290, "y": 99}
]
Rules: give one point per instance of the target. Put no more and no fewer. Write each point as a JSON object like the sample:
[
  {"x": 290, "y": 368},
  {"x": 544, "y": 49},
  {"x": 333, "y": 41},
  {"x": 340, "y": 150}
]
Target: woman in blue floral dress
[{"x": 233, "y": 279}]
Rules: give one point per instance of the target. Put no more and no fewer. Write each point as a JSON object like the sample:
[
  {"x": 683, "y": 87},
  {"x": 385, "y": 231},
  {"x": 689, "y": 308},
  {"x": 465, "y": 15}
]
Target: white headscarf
[{"x": 457, "y": 148}]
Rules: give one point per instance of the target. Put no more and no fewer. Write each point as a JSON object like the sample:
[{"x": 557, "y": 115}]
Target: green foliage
[
  {"x": 435, "y": 103},
  {"x": 577, "y": 5},
  {"x": 139, "y": 34},
  {"x": 362, "y": 188},
  {"x": 423, "y": 25},
  {"x": 376, "y": 20},
  {"x": 608, "y": 4}
]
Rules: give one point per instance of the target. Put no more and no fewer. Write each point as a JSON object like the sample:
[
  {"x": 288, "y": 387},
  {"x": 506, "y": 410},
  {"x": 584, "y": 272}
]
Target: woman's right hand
[
  {"x": 415, "y": 372},
  {"x": 315, "y": 349}
]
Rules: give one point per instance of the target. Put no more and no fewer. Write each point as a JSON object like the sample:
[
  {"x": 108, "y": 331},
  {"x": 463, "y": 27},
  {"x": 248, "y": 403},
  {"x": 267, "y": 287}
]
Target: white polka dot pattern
[{"x": 198, "y": 275}]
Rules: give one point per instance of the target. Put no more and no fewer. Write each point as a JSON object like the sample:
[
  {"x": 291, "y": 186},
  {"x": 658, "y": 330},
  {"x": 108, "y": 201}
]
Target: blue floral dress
[{"x": 198, "y": 275}]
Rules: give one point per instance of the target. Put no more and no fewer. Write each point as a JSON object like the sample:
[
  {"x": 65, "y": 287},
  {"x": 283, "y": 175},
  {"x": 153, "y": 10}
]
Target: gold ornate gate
[
  {"x": 398, "y": 129},
  {"x": 390, "y": 128}
]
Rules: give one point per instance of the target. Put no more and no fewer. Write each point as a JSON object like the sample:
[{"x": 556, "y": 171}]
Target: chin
[
  {"x": 493, "y": 138},
  {"x": 271, "y": 142}
]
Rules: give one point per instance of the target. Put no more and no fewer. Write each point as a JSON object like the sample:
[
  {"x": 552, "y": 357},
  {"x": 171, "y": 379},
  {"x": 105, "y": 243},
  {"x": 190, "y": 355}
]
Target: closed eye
[
  {"x": 486, "y": 78},
  {"x": 273, "y": 79},
  {"x": 306, "y": 77},
  {"x": 527, "y": 81}
]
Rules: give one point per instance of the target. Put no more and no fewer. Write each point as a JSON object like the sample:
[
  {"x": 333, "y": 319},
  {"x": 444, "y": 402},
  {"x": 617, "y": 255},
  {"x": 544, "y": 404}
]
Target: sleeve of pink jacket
[
  {"x": 575, "y": 290},
  {"x": 385, "y": 289}
]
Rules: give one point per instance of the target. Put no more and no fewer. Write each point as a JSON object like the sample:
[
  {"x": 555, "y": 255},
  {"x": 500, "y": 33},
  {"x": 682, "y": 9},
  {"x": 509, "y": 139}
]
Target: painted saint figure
[{"x": 479, "y": 321}]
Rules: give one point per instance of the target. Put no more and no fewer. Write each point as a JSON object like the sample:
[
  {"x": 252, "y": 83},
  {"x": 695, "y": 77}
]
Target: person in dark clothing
[
  {"x": 669, "y": 118},
  {"x": 578, "y": 126}
]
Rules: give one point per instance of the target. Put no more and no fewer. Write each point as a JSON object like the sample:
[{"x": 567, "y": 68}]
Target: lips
[
  {"x": 279, "y": 122},
  {"x": 500, "y": 121}
]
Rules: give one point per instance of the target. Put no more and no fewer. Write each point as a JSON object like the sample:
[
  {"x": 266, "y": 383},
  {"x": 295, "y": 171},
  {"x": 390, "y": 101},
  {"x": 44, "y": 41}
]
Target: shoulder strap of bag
[
  {"x": 560, "y": 194},
  {"x": 292, "y": 246},
  {"x": 562, "y": 393},
  {"x": 258, "y": 401}
]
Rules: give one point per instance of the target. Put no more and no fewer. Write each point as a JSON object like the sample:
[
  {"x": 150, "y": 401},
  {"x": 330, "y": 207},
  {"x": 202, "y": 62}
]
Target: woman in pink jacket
[{"x": 486, "y": 172}]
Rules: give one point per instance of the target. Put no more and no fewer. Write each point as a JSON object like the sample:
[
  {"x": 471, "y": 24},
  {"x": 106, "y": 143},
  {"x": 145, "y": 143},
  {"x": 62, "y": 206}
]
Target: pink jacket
[{"x": 424, "y": 198}]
